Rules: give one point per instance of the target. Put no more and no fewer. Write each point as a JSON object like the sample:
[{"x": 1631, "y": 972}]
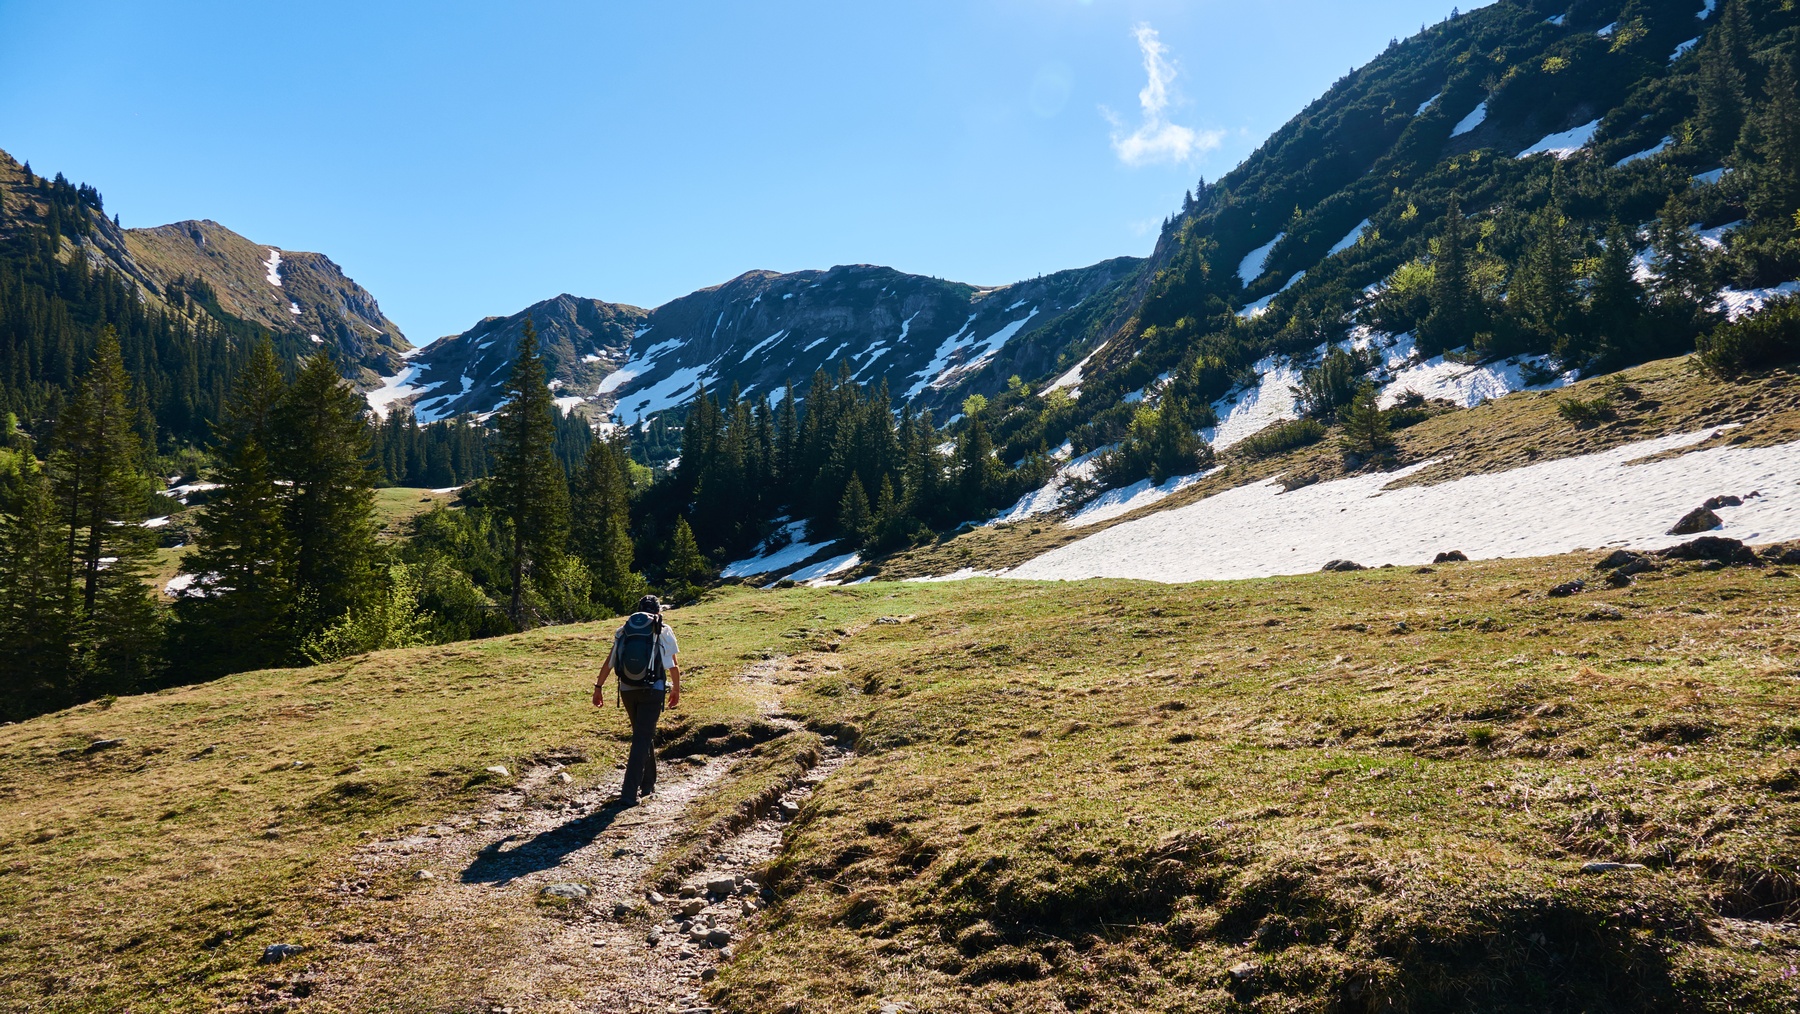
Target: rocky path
[{"x": 538, "y": 902}]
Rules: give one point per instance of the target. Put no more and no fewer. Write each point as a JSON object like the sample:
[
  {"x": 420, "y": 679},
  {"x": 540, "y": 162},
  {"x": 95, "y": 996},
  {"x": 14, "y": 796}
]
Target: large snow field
[
  {"x": 819, "y": 575},
  {"x": 396, "y": 388},
  {"x": 1612, "y": 498}
]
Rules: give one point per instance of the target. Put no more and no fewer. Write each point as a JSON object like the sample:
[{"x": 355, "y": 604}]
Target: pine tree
[
  {"x": 1365, "y": 427},
  {"x": 101, "y": 491},
  {"x": 1454, "y": 318},
  {"x": 1719, "y": 88},
  {"x": 687, "y": 569},
  {"x": 528, "y": 488},
  {"x": 1542, "y": 298},
  {"x": 600, "y": 528},
  {"x": 34, "y": 618},
  {"x": 976, "y": 469},
  {"x": 1768, "y": 156},
  {"x": 1615, "y": 307},
  {"x": 239, "y": 612},
  {"x": 854, "y": 517},
  {"x": 322, "y": 449},
  {"x": 1683, "y": 279}
]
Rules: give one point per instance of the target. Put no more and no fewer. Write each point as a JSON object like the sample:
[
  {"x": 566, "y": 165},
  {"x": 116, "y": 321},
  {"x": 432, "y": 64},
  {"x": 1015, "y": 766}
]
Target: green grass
[{"x": 1363, "y": 791}]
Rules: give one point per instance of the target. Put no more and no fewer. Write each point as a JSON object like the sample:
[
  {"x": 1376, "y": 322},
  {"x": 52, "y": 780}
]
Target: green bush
[
  {"x": 1590, "y": 412},
  {"x": 1757, "y": 342},
  {"x": 1273, "y": 440}
]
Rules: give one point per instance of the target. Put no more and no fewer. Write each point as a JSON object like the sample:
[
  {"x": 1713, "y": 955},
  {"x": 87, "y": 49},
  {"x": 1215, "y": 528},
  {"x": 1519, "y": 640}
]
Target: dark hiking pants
[{"x": 644, "y": 707}]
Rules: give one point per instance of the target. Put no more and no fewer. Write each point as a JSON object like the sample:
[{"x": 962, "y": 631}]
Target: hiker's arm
[
  {"x": 674, "y": 681},
  {"x": 599, "y": 684}
]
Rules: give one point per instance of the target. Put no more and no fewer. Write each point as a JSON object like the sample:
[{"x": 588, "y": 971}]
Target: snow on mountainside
[{"x": 930, "y": 340}]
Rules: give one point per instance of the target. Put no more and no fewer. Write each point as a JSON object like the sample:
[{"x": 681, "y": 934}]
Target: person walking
[{"x": 643, "y": 655}]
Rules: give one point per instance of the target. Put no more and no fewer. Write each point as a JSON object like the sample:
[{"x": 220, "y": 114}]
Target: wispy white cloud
[{"x": 1156, "y": 139}]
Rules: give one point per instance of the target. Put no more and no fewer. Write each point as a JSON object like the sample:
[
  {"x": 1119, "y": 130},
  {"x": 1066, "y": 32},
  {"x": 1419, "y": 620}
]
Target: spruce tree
[
  {"x": 528, "y": 489},
  {"x": 101, "y": 491},
  {"x": 600, "y": 527},
  {"x": 687, "y": 569},
  {"x": 1615, "y": 307},
  {"x": 35, "y": 623},
  {"x": 1719, "y": 87},
  {"x": 854, "y": 517},
  {"x": 1768, "y": 156},
  {"x": 1683, "y": 281},
  {"x": 1541, "y": 297},
  {"x": 976, "y": 469},
  {"x": 322, "y": 448},
  {"x": 238, "y": 613},
  {"x": 1454, "y": 316},
  {"x": 1365, "y": 427}
]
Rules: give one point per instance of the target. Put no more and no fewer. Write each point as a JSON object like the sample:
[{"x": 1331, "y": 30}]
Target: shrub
[
  {"x": 1160, "y": 444},
  {"x": 1273, "y": 440},
  {"x": 1757, "y": 342},
  {"x": 1591, "y": 412}
]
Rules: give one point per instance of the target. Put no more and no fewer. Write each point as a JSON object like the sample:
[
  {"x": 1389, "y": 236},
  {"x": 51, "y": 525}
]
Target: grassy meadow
[{"x": 1366, "y": 791}]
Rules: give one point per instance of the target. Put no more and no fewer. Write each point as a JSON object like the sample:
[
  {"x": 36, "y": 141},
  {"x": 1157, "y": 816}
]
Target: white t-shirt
[{"x": 665, "y": 649}]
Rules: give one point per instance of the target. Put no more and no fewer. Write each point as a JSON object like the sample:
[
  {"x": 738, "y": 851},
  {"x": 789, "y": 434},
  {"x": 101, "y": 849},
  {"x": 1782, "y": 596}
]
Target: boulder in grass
[
  {"x": 1700, "y": 519},
  {"x": 278, "y": 952},
  {"x": 1567, "y": 588},
  {"x": 1339, "y": 566},
  {"x": 1453, "y": 556},
  {"x": 1712, "y": 547}
]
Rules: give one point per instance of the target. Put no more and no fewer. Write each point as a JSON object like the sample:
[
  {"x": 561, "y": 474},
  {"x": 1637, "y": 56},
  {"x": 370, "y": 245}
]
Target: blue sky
[{"x": 467, "y": 159}]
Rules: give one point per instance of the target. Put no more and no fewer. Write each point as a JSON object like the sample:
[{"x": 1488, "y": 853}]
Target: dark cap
[{"x": 648, "y": 604}]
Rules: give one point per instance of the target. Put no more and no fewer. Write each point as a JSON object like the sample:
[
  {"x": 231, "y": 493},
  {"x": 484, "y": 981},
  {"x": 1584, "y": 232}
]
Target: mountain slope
[
  {"x": 1524, "y": 112},
  {"x": 202, "y": 269},
  {"x": 930, "y": 340},
  {"x": 284, "y": 291}
]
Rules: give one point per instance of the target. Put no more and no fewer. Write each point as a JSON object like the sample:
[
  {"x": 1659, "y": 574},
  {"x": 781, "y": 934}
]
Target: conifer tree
[
  {"x": 1542, "y": 295},
  {"x": 854, "y": 517},
  {"x": 1615, "y": 306},
  {"x": 528, "y": 487},
  {"x": 322, "y": 449},
  {"x": 1455, "y": 305},
  {"x": 687, "y": 568},
  {"x": 239, "y": 612},
  {"x": 600, "y": 528},
  {"x": 101, "y": 491},
  {"x": 1365, "y": 427},
  {"x": 1720, "y": 98},
  {"x": 34, "y": 618},
  {"x": 1683, "y": 281},
  {"x": 975, "y": 468},
  {"x": 1768, "y": 154}
]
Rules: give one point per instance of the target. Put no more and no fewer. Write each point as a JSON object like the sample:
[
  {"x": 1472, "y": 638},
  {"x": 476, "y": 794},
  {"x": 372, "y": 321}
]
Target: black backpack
[{"x": 636, "y": 655}]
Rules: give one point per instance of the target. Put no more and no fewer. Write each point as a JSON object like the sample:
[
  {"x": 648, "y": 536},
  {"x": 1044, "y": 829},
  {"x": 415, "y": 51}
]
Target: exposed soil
[{"x": 542, "y": 901}]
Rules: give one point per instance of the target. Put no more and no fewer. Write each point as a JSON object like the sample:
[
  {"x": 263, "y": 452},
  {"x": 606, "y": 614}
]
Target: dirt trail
[{"x": 476, "y": 931}]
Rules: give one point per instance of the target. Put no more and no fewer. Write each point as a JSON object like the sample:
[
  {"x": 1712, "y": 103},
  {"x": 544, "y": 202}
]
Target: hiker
[{"x": 643, "y": 654}]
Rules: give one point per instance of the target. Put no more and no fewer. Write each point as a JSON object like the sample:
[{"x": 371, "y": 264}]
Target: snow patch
[
  {"x": 637, "y": 366},
  {"x": 1712, "y": 177},
  {"x": 1683, "y": 49},
  {"x": 567, "y": 405},
  {"x": 272, "y": 268},
  {"x": 1707, "y": 8},
  {"x": 1269, "y": 401},
  {"x": 1251, "y": 267},
  {"x": 1459, "y": 383},
  {"x": 1119, "y": 502},
  {"x": 765, "y": 343},
  {"x": 1072, "y": 379},
  {"x": 1476, "y": 118},
  {"x": 1661, "y": 146},
  {"x": 961, "y": 575},
  {"x": 819, "y": 574},
  {"x": 1428, "y": 103},
  {"x": 769, "y": 560},
  {"x": 1612, "y": 498},
  {"x": 1607, "y": 30},
  {"x": 1557, "y": 20},
  {"x": 1349, "y": 241},
  {"x": 1740, "y": 302},
  {"x": 1564, "y": 144},
  {"x": 982, "y": 352},
  {"x": 398, "y": 387},
  {"x": 293, "y": 308}
]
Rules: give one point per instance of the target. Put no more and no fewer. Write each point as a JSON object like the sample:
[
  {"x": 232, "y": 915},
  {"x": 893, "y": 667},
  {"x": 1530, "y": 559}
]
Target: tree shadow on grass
[{"x": 496, "y": 864}]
